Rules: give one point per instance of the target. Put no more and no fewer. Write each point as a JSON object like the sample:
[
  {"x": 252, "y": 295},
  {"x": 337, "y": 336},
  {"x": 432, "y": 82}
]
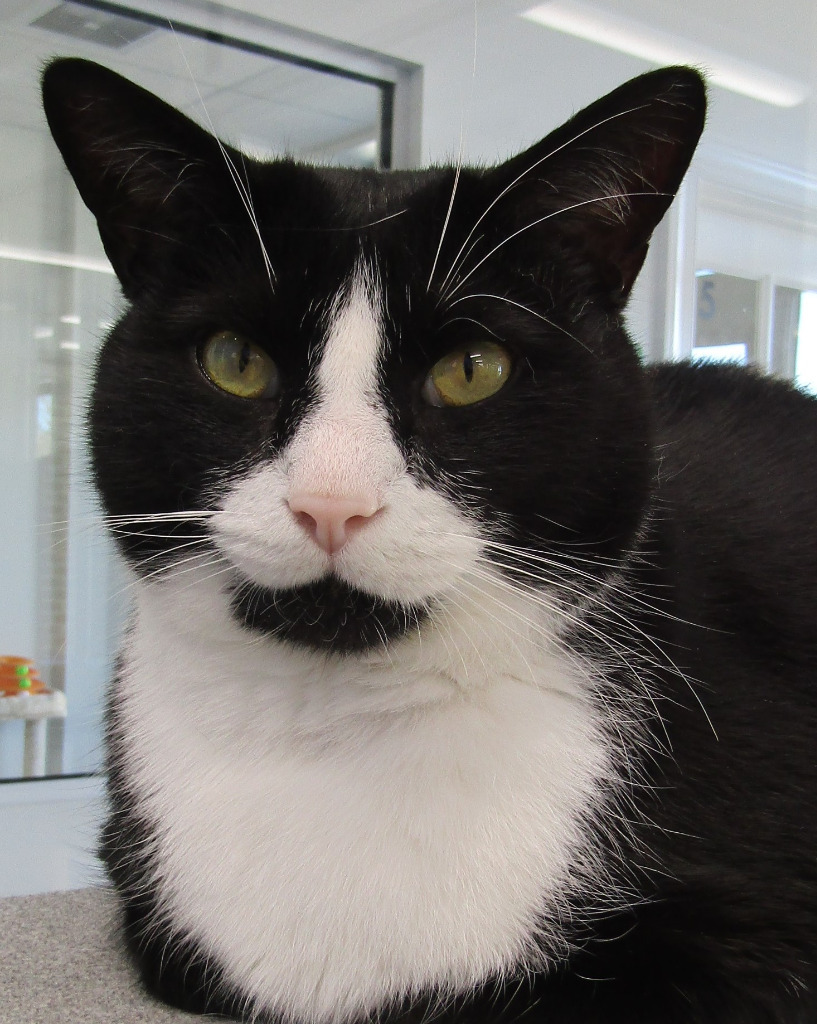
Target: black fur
[
  {"x": 690, "y": 489},
  {"x": 327, "y": 615}
]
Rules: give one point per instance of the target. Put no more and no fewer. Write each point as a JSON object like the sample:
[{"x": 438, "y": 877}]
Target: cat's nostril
[{"x": 331, "y": 521}]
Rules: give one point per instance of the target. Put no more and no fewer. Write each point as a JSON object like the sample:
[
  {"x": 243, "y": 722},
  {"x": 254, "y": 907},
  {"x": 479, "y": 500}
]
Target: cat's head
[{"x": 371, "y": 396}]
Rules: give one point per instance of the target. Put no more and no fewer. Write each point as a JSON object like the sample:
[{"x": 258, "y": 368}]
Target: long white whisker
[
  {"x": 501, "y": 584},
  {"x": 658, "y": 659},
  {"x": 203, "y": 558},
  {"x": 533, "y": 594},
  {"x": 541, "y": 220},
  {"x": 620, "y": 654},
  {"x": 519, "y": 305},
  {"x": 464, "y": 127},
  {"x": 447, "y": 215},
  {"x": 558, "y": 609},
  {"x": 508, "y": 632},
  {"x": 191, "y": 538},
  {"x": 473, "y": 320},
  {"x": 519, "y": 177},
  {"x": 567, "y": 567},
  {"x": 219, "y": 572},
  {"x": 241, "y": 187},
  {"x": 174, "y": 568},
  {"x": 158, "y": 555},
  {"x": 662, "y": 659},
  {"x": 153, "y": 517},
  {"x": 100, "y": 518}
]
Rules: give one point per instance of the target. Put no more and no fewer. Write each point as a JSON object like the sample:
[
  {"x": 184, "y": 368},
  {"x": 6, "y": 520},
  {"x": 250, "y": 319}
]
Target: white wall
[
  {"x": 49, "y": 834},
  {"x": 525, "y": 80},
  {"x": 780, "y": 247}
]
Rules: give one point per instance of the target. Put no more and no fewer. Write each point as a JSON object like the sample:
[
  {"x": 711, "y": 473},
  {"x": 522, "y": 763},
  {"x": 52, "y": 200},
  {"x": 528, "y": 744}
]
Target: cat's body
[{"x": 481, "y": 706}]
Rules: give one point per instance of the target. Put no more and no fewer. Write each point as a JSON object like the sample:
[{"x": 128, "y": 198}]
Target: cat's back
[
  {"x": 762, "y": 422},
  {"x": 735, "y": 501},
  {"x": 730, "y": 440}
]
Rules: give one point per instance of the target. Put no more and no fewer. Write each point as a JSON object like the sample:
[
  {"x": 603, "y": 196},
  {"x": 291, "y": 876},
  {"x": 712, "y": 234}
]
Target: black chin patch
[{"x": 326, "y": 615}]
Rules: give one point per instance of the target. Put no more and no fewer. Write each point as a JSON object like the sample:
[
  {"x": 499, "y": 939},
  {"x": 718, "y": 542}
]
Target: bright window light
[
  {"x": 57, "y": 259},
  {"x": 630, "y": 36},
  {"x": 805, "y": 370},
  {"x": 732, "y": 352}
]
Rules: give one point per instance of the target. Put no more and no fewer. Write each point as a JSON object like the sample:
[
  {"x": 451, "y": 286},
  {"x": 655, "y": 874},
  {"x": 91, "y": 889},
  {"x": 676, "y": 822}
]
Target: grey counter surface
[{"x": 62, "y": 962}]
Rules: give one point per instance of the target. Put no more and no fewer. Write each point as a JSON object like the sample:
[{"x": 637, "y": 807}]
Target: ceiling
[
  {"x": 509, "y": 81},
  {"x": 257, "y": 101},
  {"x": 500, "y": 78},
  {"x": 493, "y": 82},
  {"x": 263, "y": 105}
]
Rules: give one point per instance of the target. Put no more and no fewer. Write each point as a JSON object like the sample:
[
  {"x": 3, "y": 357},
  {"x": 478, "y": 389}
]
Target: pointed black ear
[
  {"x": 142, "y": 168},
  {"x": 605, "y": 179}
]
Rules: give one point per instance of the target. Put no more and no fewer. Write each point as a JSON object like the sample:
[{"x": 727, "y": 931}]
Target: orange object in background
[{"x": 18, "y": 675}]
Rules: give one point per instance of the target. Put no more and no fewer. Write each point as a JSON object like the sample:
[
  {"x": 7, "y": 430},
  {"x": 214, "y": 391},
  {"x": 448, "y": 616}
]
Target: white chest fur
[{"x": 341, "y": 831}]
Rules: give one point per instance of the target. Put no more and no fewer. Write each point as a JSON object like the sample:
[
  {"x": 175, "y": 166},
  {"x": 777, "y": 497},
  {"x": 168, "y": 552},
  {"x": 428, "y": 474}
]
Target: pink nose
[{"x": 331, "y": 521}]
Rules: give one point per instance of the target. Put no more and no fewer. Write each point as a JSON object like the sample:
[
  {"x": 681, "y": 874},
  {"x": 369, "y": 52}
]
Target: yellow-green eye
[
  {"x": 468, "y": 375},
  {"x": 238, "y": 366}
]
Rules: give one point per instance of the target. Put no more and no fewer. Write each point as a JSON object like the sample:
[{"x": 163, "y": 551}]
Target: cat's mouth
[{"x": 326, "y": 614}]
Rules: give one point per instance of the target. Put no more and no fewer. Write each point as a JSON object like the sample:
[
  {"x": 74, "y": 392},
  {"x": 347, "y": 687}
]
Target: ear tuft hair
[
  {"x": 134, "y": 159},
  {"x": 606, "y": 178}
]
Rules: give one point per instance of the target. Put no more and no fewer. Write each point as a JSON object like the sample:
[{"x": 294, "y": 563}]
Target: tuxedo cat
[{"x": 473, "y": 665}]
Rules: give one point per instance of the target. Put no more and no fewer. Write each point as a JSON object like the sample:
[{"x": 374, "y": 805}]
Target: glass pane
[
  {"x": 726, "y": 320},
  {"x": 65, "y": 596},
  {"x": 805, "y": 368},
  {"x": 785, "y": 326},
  {"x": 749, "y": 205}
]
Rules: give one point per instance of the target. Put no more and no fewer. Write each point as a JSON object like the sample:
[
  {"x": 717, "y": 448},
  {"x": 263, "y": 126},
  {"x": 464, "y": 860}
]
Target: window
[{"x": 65, "y": 596}]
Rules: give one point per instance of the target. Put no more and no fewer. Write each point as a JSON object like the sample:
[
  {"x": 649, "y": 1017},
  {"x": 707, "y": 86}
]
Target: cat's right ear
[{"x": 142, "y": 168}]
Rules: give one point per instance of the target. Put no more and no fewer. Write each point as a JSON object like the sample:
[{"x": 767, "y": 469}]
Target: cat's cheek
[
  {"x": 273, "y": 565},
  {"x": 254, "y": 529},
  {"x": 421, "y": 548}
]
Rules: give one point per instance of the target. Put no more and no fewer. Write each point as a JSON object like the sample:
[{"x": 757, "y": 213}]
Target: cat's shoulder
[
  {"x": 737, "y": 447},
  {"x": 686, "y": 386},
  {"x": 687, "y": 389},
  {"x": 711, "y": 411}
]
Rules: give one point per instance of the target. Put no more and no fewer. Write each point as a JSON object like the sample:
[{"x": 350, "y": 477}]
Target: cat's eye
[
  {"x": 468, "y": 375},
  {"x": 238, "y": 366}
]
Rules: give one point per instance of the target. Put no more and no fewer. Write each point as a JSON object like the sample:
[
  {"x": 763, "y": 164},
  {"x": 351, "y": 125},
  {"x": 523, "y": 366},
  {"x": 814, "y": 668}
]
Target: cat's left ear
[{"x": 604, "y": 180}]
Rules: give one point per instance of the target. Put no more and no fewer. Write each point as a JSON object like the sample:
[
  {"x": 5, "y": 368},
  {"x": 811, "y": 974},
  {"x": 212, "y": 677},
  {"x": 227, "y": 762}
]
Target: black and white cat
[{"x": 473, "y": 668}]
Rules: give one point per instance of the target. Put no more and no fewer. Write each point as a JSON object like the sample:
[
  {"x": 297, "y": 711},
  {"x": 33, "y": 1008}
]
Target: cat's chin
[{"x": 328, "y": 614}]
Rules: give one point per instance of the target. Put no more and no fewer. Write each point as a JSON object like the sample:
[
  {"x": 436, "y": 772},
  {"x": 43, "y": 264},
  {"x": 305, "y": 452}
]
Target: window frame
[
  {"x": 399, "y": 81},
  {"x": 400, "y": 85}
]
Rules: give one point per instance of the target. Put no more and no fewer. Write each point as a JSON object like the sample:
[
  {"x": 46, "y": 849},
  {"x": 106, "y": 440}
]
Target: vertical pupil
[
  {"x": 468, "y": 367},
  {"x": 244, "y": 358}
]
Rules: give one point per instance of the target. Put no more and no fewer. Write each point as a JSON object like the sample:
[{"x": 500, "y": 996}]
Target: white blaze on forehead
[
  {"x": 344, "y": 445},
  {"x": 347, "y": 372}
]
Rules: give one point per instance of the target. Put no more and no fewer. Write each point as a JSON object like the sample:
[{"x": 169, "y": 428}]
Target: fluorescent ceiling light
[
  {"x": 630, "y": 36},
  {"x": 56, "y": 259}
]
